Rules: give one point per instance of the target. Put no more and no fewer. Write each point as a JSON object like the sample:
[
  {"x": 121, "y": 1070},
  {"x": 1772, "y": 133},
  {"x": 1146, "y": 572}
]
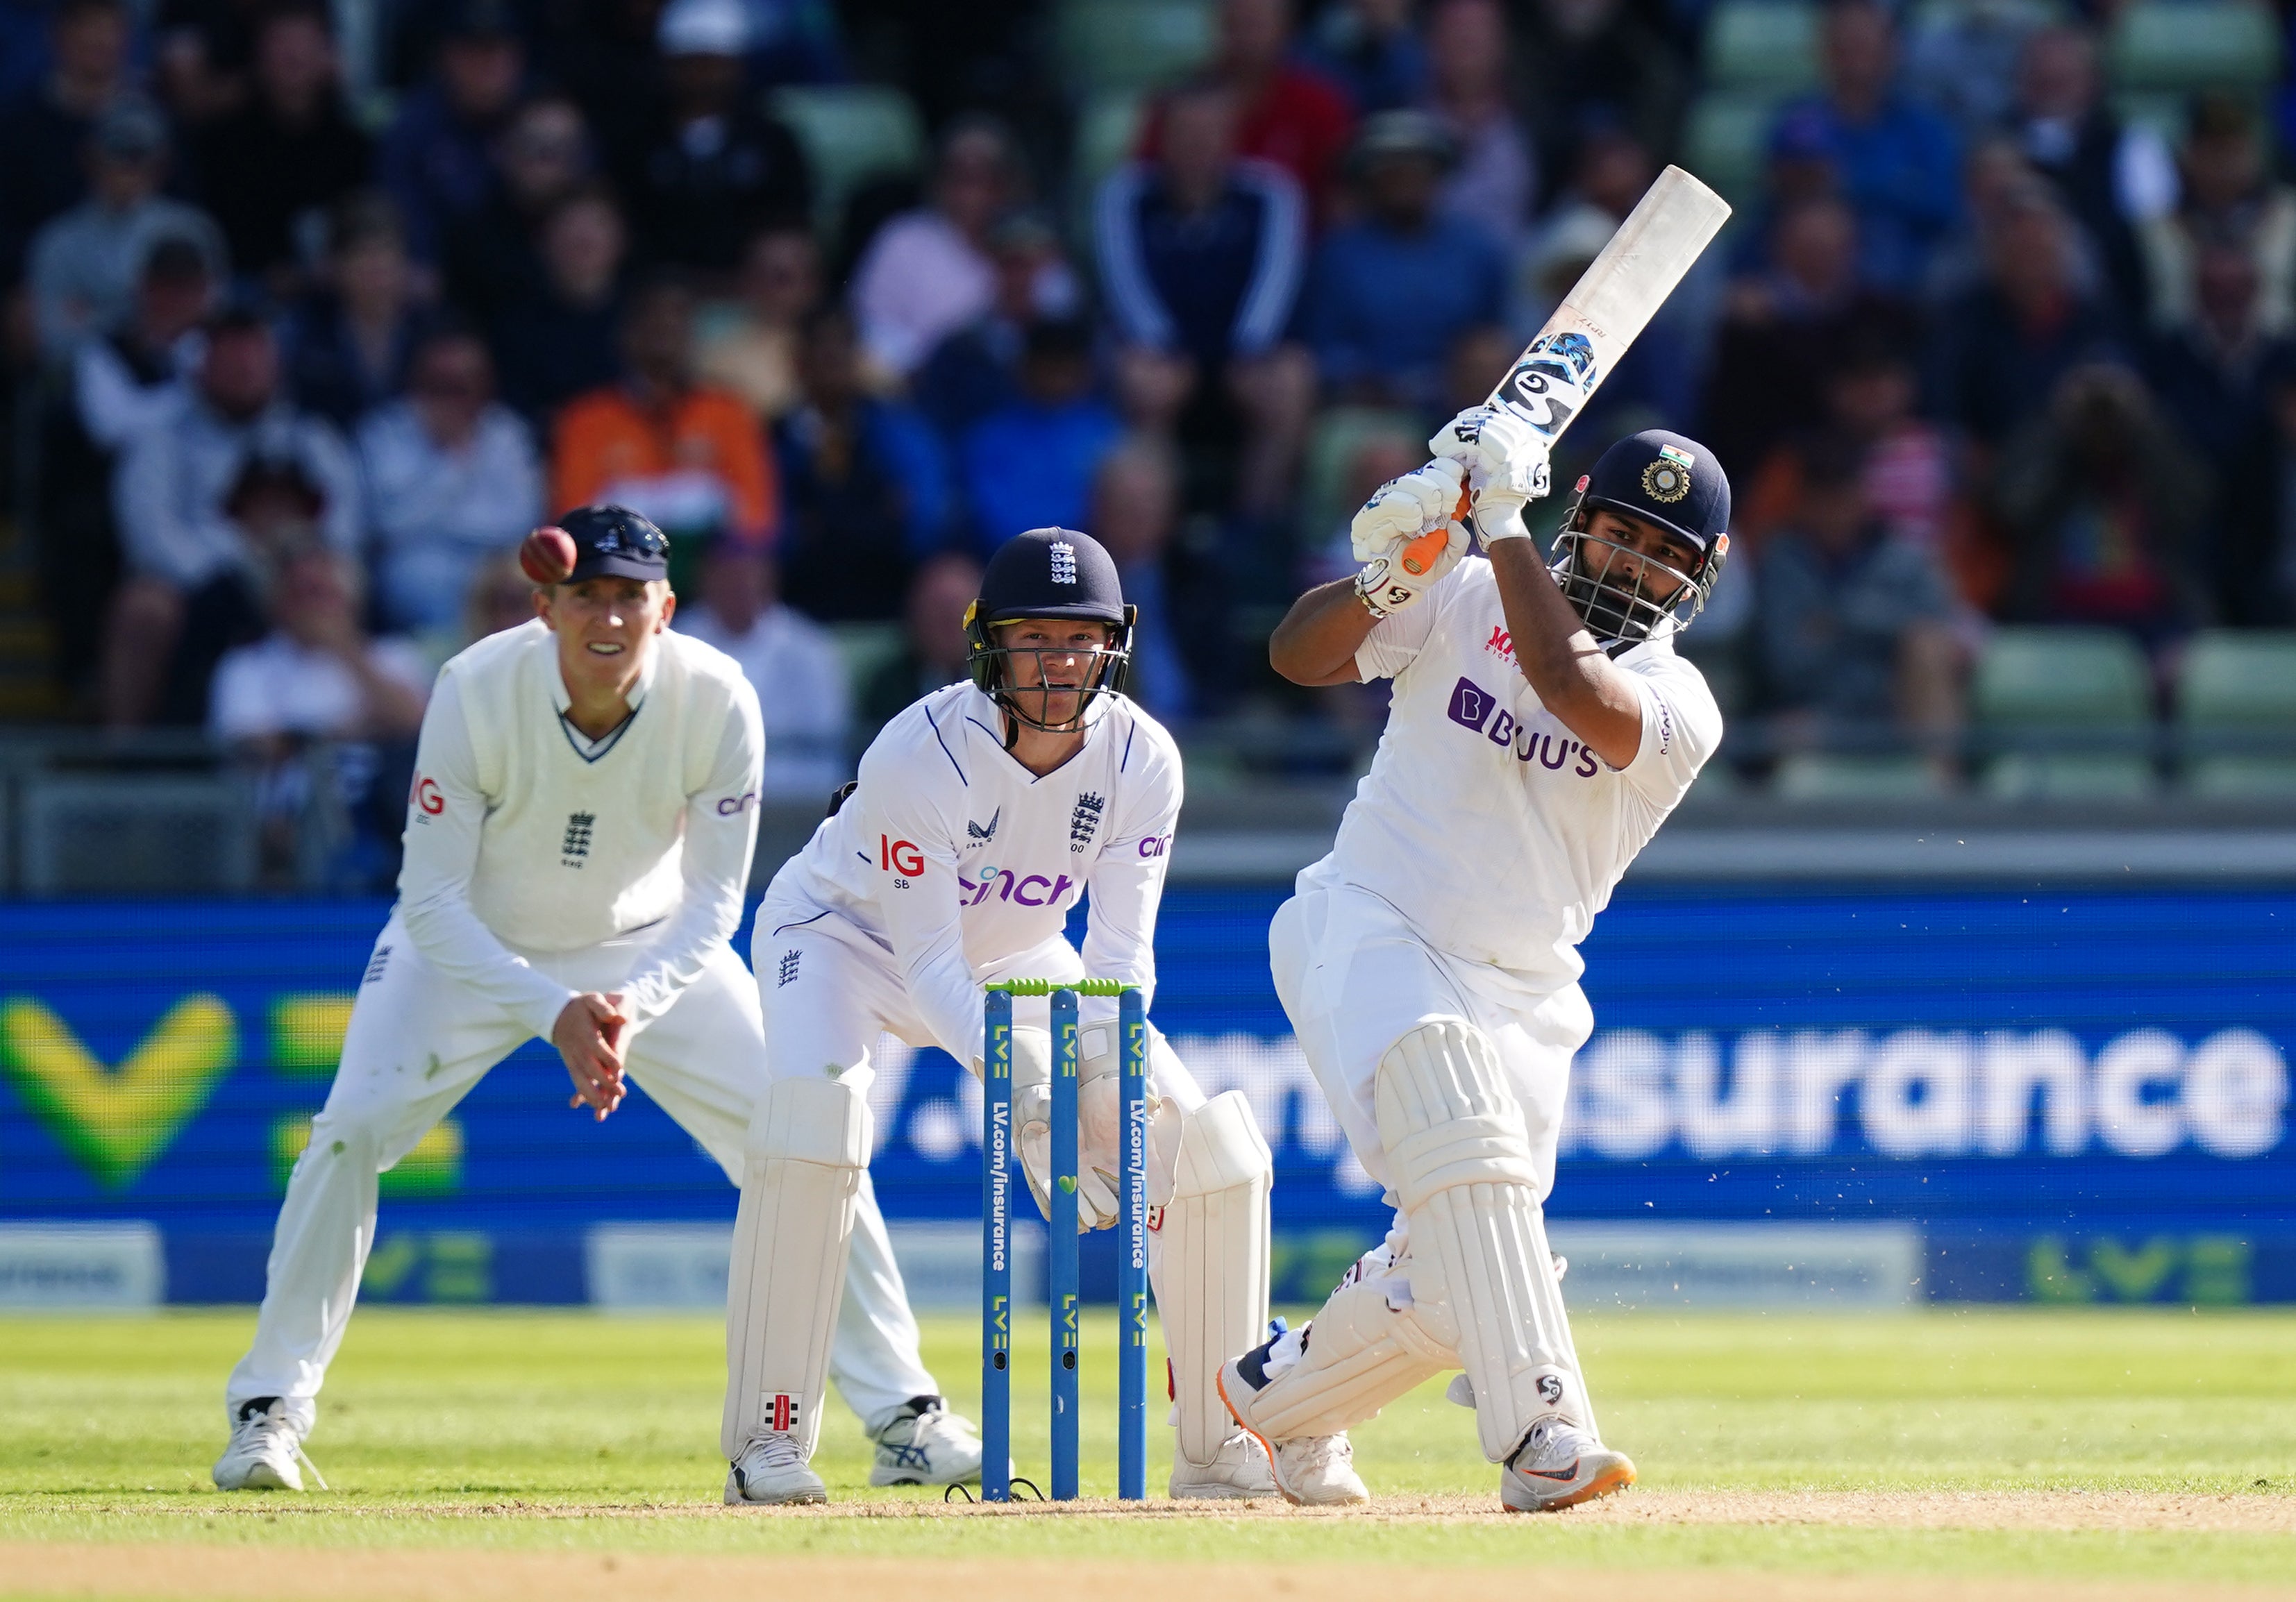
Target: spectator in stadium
[
  {"x": 1392, "y": 291},
  {"x": 1590, "y": 65},
  {"x": 315, "y": 678},
  {"x": 2253, "y": 573},
  {"x": 1854, "y": 623},
  {"x": 792, "y": 662},
  {"x": 560, "y": 340},
  {"x": 1201, "y": 256},
  {"x": 1135, "y": 508},
  {"x": 347, "y": 339},
  {"x": 118, "y": 386},
  {"x": 1287, "y": 112},
  {"x": 1896, "y": 160},
  {"x": 865, "y": 489},
  {"x": 2001, "y": 347},
  {"x": 1030, "y": 464},
  {"x": 436, "y": 160},
  {"x": 1495, "y": 185},
  {"x": 933, "y": 648},
  {"x": 749, "y": 346},
  {"x": 45, "y": 127},
  {"x": 205, "y": 55},
  {"x": 685, "y": 454},
  {"x": 1963, "y": 59},
  {"x": 2229, "y": 194},
  {"x": 1371, "y": 50},
  {"x": 2113, "y": 177},
  {"x": 271, "y": 170},
  {"x": 492, "y": 258},
  {"x": 451, "y": 476},
  {"x": 713, "y": 168},
  {"x": 195, "y": 501},
  {"x": 2103, "y": 511},
  {"x": 2209, "y": 373},
  {"x": 927, "y": 273},
  {"x": 1775, "y": 333},
  {"x": 82, "y": 263},
  {"x": 976, "y": 369}
]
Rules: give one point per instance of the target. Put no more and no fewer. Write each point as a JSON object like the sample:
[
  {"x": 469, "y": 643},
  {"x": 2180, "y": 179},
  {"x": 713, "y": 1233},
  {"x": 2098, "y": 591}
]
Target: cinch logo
[
  {"x": 1156, "y": 845},
  {"x": 1031, "y": 890},
  {"x": 1474, "y": 707},
  {"x": 899, "y": 856},
  {"x": 734, "y": 805}
]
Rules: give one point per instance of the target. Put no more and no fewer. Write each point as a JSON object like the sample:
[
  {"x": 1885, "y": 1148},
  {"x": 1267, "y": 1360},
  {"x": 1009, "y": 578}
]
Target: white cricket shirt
[
  {"x": 522, "y": 836},
  {"x": 1486, "y": 823},
  {"x": 953, "y": 857}
]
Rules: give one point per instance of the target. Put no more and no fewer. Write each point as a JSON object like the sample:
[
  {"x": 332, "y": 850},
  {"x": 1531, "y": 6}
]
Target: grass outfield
[{"x": 482, "y": 1453}]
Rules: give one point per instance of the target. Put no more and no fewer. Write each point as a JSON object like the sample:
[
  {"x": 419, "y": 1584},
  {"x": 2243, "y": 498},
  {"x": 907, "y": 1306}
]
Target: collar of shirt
[{"x": 564, "y": 702}]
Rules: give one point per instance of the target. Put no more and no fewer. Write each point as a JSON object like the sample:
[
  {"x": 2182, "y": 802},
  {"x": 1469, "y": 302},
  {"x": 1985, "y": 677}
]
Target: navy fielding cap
[
  {"x": 1666, "y": 478},
  {"x": 1051, "y": 573},
  {"x": 615, "y": 542}
]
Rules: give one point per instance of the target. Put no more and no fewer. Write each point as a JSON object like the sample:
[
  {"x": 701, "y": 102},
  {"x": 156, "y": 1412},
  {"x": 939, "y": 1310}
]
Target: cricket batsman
[
  {"x": 981, "y": 815},
  {"x": 1541, "y": 729},
  {"x": 578, "y": 844}
]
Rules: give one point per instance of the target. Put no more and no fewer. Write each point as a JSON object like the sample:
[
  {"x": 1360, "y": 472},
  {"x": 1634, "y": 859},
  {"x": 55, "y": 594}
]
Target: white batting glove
[
  {"x": 1505, "y": 461},
  {"x": 1403, "y": 509}
]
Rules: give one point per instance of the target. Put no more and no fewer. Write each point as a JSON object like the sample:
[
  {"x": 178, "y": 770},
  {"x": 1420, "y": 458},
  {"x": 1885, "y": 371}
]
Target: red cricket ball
[{"x": 547, "y": 555}]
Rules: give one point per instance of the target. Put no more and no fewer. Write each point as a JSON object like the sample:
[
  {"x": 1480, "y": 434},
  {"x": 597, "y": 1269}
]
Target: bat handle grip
[{"x": 1421, "y": 555}]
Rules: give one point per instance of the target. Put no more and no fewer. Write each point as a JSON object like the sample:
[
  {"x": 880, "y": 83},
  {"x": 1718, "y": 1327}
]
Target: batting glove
[
  {"x": 1403, "y": 509},
  {"x": 1504, "y": 461}
]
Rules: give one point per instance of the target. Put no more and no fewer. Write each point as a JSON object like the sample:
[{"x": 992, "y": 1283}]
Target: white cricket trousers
[
  {"x": 1355, "y": 977},
  {"x": 416, "y": 1044}
]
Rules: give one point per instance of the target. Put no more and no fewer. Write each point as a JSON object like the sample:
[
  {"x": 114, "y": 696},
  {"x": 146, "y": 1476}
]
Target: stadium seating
[
  {"x": 2236, "y": 714},
  {"x": 2068, "y": 711},
  {"x": 851, "y": 133},
  {"x": 1845, "y": 776},
  {"x": 1130, "y": 45},
  {"x": 1107, "y": 129},
  {"x": 87, "y": 834},
  {"x": 1723, "y": 141},
  {"x": 1338, "y": 433},
  {"x": 1765, "y": 45},
  {"x": 2176, "y": 46},
  {"x": 865, "y": 647}
]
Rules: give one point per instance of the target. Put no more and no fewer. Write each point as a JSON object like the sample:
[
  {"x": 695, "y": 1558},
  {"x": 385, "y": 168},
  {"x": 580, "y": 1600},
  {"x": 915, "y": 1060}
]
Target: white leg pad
[
  {"x": 808, "y": 1146},
  {"x": 1212, "y": 1285},
  {"x": 1481, "y": 1275},
  {"x": 1364, "y": 1347}
]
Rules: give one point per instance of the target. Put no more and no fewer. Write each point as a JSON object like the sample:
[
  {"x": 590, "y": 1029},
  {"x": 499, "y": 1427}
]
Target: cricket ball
[{"x": 547, "y": 555}]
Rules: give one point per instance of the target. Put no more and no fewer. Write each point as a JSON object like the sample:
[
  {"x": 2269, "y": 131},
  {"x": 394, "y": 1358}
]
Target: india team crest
[{"x": 1668, "y": 479}]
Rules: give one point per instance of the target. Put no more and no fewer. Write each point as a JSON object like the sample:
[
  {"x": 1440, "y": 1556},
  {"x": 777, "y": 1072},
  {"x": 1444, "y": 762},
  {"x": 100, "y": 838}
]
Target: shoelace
[
  {"x": 773, "y": 1450},
  {"x": 270, "y": 1425},
  {"x": 1325, "y": 1450}
]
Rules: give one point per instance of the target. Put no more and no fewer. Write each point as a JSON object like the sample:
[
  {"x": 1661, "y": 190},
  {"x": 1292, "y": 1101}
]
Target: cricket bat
[{"x": 1613, "y": 301}]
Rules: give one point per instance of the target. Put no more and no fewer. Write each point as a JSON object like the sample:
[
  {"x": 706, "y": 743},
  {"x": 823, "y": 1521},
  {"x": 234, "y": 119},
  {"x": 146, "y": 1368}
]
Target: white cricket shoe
[
  {"x": 772, "y": 1472},
  {"x": 926, "y": 1444},
  {"x": 1312, "y": 1471},
  {"x": 1237, "y": 1471},
  {"x": 1560, "y": 1466},
  {"x": 265, "y": 1452}
]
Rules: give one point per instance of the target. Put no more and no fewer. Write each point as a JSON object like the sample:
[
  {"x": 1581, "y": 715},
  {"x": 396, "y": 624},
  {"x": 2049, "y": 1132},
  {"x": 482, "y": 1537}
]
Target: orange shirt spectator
[
  {"x": 1287, "y": 114},
  {"x": 689, "y": 455}
]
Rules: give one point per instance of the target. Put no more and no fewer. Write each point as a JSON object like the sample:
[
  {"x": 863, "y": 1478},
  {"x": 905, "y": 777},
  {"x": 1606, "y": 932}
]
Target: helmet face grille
[
  {"x": 1622, "y": 595},
  {"x": 1103, "y": 672}
]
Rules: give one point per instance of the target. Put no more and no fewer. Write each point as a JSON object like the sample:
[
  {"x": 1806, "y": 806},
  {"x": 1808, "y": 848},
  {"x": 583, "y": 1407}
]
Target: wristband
[{"x": 1506, "y": 525}]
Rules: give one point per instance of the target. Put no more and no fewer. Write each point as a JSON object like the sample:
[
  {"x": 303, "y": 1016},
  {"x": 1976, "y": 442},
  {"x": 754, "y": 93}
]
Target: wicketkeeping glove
[
  {"x": 1504, "y": 461},
  {"x": 1097, "y": 1109}
]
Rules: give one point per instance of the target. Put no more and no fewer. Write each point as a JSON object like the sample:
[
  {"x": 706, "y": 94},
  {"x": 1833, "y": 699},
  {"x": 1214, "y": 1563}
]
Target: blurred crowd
[{"x": 299, "y": 351}]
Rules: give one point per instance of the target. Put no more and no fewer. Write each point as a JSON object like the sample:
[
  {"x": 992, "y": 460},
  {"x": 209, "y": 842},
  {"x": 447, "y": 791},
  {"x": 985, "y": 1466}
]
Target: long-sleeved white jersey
[
  {"x": 953, "y": 857},
  {"x": 522, "y": 836},
  {"x": 1487, "y": 824}
]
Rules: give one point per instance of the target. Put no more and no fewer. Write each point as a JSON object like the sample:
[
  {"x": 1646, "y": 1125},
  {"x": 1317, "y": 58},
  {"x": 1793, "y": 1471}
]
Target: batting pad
[
  {"x": 1481, "y": 1275},
  {"x": 1211, "y": 1287},
  {"x": 808, "y": 1146},
  {"x": 1364, "y": 1347}
]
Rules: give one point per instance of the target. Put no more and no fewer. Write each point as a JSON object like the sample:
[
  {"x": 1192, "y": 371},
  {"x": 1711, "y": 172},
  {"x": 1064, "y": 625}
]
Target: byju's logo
[{"x": 1472, "y": 704}]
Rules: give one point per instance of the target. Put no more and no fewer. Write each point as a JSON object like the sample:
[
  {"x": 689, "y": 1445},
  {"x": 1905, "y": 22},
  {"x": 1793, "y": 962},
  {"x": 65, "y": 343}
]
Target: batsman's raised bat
[{"x": 1613, "y": 301}]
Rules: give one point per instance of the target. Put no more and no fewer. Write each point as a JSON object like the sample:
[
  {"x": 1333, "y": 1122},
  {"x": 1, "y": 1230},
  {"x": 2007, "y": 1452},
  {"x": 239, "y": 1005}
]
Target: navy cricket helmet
[
  {"x": 1051, "y": 572},
  {"x": 1673, "y": 483}
]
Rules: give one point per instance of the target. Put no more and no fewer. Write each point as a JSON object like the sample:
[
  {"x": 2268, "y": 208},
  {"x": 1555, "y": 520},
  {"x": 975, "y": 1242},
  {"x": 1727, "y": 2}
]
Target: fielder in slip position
[
  {"x": 577, "y": 843},
  {"x": 981, "y": 814},
  {"x": 1542, "y": 728}
]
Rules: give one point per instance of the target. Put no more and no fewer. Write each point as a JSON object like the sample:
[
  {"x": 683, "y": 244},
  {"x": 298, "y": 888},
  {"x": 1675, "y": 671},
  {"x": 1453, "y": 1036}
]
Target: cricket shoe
[
  {"x": 1238, "y": 1472},
  {"x": 925, "y": 1444},
  {"x": 772, "y": 1472},
  {"x": 1560, "y": 1466},
  {"x": 265, "y": 1452},
  {"x": 1312, "y": 1471}
]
